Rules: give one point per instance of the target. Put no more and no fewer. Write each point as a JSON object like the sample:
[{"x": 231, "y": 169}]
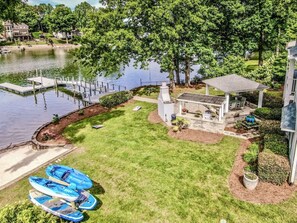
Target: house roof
[
  {"x": 202, "y": 99},
  {"x": 289, "y": 118},
  {"x": 234, "y": 83}
]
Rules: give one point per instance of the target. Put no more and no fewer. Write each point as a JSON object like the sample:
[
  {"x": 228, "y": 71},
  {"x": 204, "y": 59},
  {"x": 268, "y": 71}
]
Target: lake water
[{"x": 21, "y": 116}]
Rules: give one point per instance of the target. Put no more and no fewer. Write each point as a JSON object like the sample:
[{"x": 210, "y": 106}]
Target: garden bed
[
  {"x": 54, "y": 131},
  {"x": 265, "y": 193},
  {"x": 188, "y": 134}
]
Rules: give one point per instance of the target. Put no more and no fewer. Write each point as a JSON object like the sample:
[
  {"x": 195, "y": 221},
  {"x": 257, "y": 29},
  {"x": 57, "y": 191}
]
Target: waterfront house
[
  {"x": 288, "y": 123},
  {"x": 18, "y": 31}
]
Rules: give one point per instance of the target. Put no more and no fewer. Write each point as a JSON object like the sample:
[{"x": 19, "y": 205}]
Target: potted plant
[
  {"x": 184, "y": 111},
  {"x": 250, "y": 180}
]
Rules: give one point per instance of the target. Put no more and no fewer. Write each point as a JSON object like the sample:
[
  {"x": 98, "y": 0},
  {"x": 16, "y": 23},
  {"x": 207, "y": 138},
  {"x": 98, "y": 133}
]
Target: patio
[{"x": 213, "y": 113}]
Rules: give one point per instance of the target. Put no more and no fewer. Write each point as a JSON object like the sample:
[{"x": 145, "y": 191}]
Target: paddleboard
[
  {"x": 53, "y": 189},
  {"x": 70, "y": 176},
  {"x": 86, "y": 201},
  {"x": 56, "y": 207}
]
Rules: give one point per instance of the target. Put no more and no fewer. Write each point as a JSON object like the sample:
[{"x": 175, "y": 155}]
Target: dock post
[
  {"x": 56, "y": 84},
  {"x": 102, "y": 84},
  {"x": 107, "y": 86},
  {"x": 90, "y": 88},
  {"x": 119, "y": 87},
  {"x": 105, "y": 89},
  {"x": 112, "y": 86},
  {"x": 41, "y": 78},
  {"x": 33, "y": 87}
]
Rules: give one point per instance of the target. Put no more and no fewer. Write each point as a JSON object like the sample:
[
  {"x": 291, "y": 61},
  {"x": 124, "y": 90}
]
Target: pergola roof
[
  {"x": 202, "y": 99},
  {"x": 234, "y": 83}
]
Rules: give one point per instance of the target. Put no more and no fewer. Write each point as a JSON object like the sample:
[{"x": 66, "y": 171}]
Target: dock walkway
[{"x": 91, "y": 92}]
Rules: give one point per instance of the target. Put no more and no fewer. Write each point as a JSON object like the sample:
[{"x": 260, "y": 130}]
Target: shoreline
[{"x": 40, "y": 47}]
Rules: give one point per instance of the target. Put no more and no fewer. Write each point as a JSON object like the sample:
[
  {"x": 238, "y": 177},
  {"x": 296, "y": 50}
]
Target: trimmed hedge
[
  {"x": 269, "y": 113},
  {"x": 278, "y": 144},
  {"x": 273, "y": 168},
  {"x": 271, "y": 99},
  {"x": 26, "y": 212},
  {"x": 270, "y": 127},
  {"x": 115, "y": 99}
]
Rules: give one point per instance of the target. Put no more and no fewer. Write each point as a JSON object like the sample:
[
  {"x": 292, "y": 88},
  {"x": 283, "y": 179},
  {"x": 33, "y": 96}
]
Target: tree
[
  {"x": 28, "y": 15},
  {"x": 82, "y": 13},
  {"x": 7, "y": 9},
  {"x": 173, "y": 33},
  {"x": 62, "y": 19},
  {"x": 43, "y": 10}
]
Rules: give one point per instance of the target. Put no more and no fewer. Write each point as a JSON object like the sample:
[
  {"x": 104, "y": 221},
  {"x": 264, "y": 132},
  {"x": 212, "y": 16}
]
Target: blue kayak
[
  {"x": 56, "y": 207},
  {"x": 70, "y": 176},
  {"x": 53, "y": 189}
]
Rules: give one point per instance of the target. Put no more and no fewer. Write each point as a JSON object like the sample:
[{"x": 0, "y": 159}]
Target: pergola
[
  {"x": 206, "y": 100},
  {"x": 235, "y": 84}
]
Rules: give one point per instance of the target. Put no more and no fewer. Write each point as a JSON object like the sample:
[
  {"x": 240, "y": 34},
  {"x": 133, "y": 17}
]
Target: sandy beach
[{"x": 40, "y": 47}]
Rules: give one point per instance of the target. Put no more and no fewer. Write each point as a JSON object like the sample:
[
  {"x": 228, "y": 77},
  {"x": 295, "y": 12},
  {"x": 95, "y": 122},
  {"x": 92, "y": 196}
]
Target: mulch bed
[
  {"x": 56, "y": 130},
  {"x": 265, "y": 193},
  {"x": 188, "y": 134}
]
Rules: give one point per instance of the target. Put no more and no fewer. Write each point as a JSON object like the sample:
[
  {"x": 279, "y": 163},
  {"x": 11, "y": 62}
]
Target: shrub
[
  {"x": 270, "y": 127},
  {"x": 55, "y": 119},
  {"x": 273, "y": 168},
  {"x": 278, "y": 144},
  {"x": 269, "y": 113},
  {"x": 180, "y": 123},
  {"x": 252, "y": 154},
  {"x": 115, "y": 99},
  {"x": 26, "y": 212},
  {"x": 271, "y": 99}
]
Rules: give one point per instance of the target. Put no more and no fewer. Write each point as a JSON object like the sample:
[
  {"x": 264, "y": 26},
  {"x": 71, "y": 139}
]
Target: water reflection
[{"x": 21, "y": 116}]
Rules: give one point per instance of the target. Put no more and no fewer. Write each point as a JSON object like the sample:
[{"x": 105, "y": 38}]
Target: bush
[
  {"x": 26, "y": 212},
  {"x": 270, "y": 127},
  {"x": 273, "y": 168},
  {"x": 269, "y": 113},
  {"x": 252, "y": 154},
  {"x": 271, "y": 99},
  {"x": 115, "y": 99},
  {"x": 278, "y": 144}
]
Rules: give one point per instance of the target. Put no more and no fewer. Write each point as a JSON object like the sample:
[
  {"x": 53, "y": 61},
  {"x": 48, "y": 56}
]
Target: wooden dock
[{"x": 90, "y": 91}]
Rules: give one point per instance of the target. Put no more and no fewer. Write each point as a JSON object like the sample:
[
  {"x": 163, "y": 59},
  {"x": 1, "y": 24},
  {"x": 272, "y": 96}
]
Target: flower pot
[{"x": 250, "y": 180}]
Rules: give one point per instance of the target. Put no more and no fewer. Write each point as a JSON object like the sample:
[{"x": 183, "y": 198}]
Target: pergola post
[
  {"x": 260, "y": 100},
  {"x": 179, "y": 107},
  {"x": 220, "y": 114},
  {"x": 206, "y": 89},
  {"x": 227, "y": 102}
]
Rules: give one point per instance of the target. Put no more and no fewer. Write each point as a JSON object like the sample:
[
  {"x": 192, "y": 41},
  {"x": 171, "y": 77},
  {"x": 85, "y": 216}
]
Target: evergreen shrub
[
  {"x": 269, "y": 113},
  {"x": 270, "y": 127},
  {"x": 115, "y": 99},
  {"x": 278, "y": 144},
  {"x": 273, "y": 168}
]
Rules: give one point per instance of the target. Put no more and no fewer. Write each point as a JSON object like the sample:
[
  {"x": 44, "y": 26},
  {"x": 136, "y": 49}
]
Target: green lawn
[{"x": 146, "y": 176}]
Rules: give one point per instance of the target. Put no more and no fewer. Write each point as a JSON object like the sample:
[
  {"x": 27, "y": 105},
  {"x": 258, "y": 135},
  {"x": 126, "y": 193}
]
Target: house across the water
[{"x": 16, "y": 31}]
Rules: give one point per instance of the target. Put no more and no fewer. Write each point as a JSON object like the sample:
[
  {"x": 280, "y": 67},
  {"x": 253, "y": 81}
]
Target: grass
[{"x": 146, "y": 176}]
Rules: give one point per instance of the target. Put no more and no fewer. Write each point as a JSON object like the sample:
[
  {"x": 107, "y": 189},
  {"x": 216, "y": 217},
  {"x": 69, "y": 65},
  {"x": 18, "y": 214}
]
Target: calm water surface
[{"x": 21, "y": 116}]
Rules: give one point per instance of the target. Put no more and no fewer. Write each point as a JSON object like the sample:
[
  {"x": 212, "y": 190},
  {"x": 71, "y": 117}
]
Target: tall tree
[
  {"x": 28, "y": 15},
  {"x": 7, "y": 9},
  {"x": 82, "y": 13},
  {"x": 62, "y": 19}
]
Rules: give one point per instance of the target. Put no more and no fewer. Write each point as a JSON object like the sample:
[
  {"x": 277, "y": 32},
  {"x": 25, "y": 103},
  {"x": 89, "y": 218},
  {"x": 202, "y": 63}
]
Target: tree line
[
  {"x": 217, "y": 34},
  {"x": 220, "y": 35},
  {"x": 46, "y": 18}
]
